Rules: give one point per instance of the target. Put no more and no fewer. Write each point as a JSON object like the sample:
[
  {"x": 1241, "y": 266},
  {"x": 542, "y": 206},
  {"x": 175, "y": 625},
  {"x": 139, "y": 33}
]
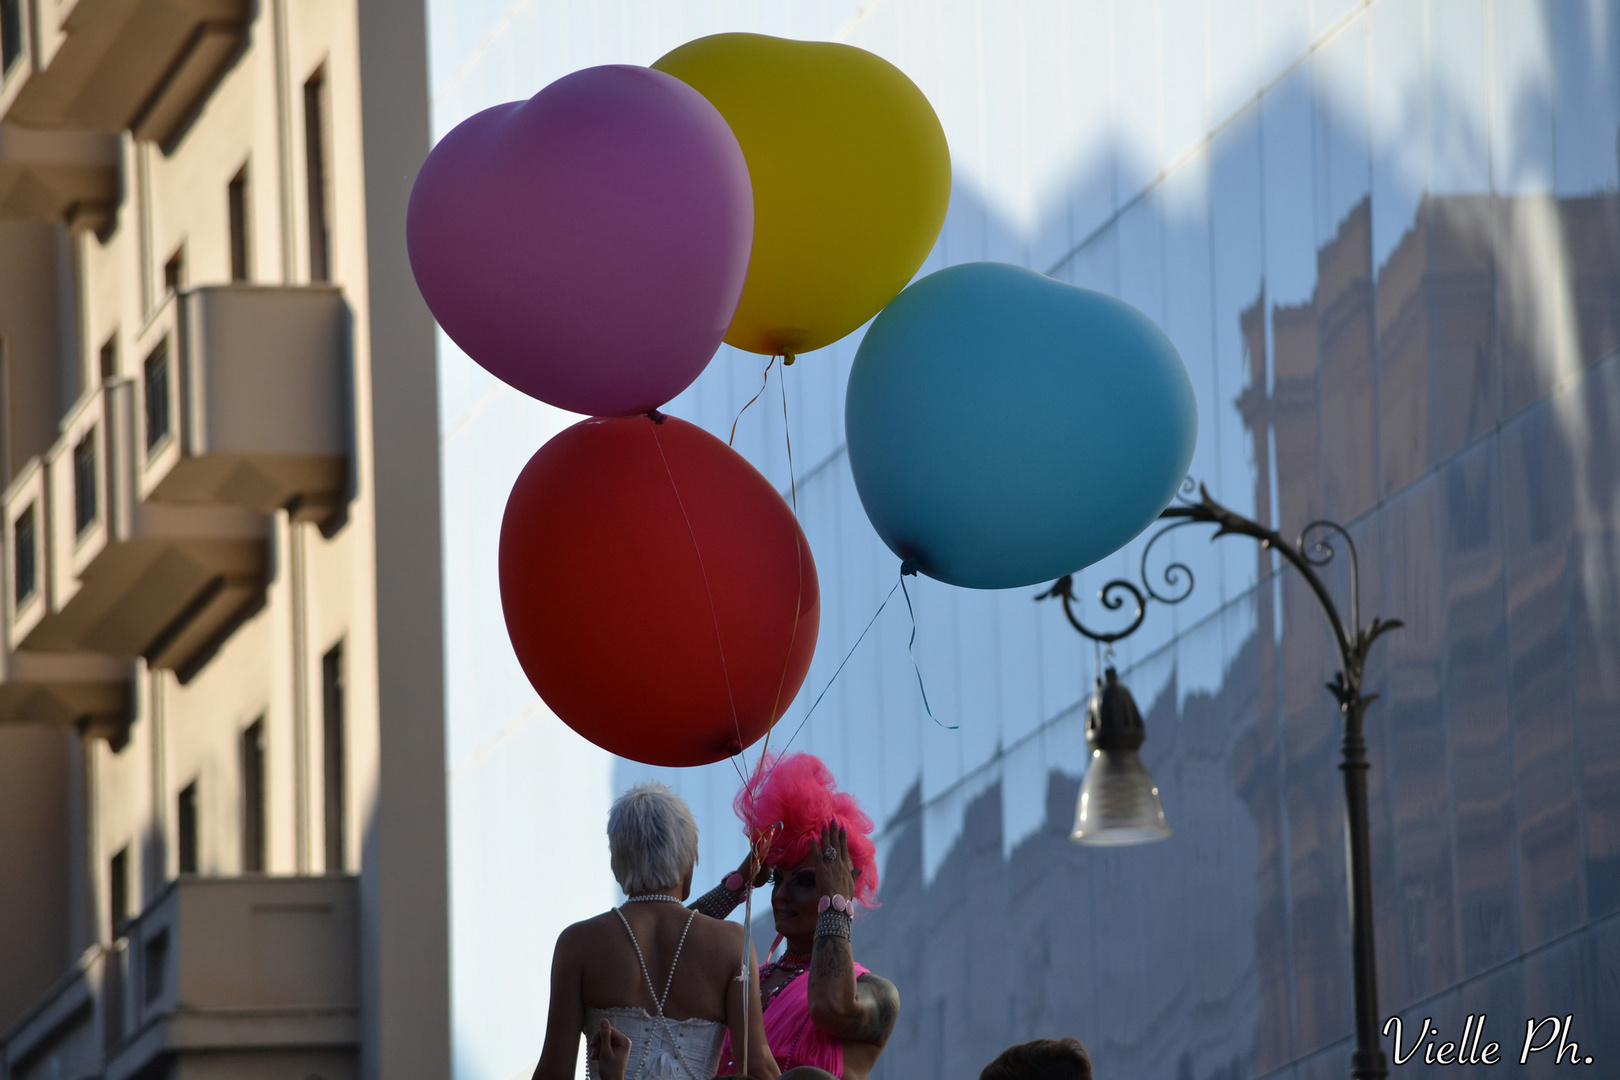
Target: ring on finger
[{"x": 829, "y": 853}]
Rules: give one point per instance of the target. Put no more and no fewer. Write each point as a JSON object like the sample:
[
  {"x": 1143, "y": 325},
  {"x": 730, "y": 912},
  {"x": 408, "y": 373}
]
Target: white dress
[{"x": 660, "y": 1048}]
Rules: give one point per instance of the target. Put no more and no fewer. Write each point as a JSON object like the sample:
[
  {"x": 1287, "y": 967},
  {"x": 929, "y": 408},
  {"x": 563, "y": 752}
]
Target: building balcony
[
  {"x": 51, "y": 176},
  {"x": 90, "y": 690},
  {"x": 269, "y": 965},
  {"x": 142, "y": 531},
  {"x": 110, "y": 573},
  {"x": 261, "y": 395},
  {"x": 87, "y": 690},
  {"x": 108, "y": 65}
]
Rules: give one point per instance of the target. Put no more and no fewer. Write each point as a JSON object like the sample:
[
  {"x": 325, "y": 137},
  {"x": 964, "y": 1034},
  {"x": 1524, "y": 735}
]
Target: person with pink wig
[{"x": 824, "y": 1014}]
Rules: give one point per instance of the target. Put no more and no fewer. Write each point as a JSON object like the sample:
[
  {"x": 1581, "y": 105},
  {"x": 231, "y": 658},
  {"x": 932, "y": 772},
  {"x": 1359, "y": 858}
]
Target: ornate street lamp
[{"x": 1119, "y": 803}]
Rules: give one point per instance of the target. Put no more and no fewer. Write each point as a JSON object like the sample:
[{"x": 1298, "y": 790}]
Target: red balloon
[{"x": 658, "y": 591}]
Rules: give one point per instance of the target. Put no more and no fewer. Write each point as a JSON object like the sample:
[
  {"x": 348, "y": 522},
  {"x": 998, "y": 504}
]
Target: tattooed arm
[{"x": 852, "y": 1009}]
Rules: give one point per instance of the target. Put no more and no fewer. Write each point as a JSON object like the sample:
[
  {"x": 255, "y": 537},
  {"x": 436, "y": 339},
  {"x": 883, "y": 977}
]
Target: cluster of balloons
[
  {"x": 594, "y": 245},
  {"x": 591, "y": 247}
]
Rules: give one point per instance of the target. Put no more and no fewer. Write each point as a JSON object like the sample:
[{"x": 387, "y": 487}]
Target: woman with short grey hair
[{"x": 651, "y": 972}]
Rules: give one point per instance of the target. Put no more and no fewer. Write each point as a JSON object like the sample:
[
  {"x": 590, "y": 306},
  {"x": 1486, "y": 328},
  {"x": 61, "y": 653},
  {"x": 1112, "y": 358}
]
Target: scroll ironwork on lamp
[{"x": 1119, "y": 803}]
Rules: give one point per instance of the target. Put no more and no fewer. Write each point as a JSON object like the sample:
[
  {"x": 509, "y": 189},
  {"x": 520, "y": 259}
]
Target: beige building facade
[{"x": 222, "y": 840}]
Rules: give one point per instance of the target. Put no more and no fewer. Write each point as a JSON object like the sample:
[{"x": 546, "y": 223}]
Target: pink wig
[{"x": 798, "y": 793}]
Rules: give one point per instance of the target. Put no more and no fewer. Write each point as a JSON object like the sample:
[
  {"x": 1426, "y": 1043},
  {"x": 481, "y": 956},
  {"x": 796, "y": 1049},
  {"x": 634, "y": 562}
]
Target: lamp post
[{"x": 1117, "y": 808}]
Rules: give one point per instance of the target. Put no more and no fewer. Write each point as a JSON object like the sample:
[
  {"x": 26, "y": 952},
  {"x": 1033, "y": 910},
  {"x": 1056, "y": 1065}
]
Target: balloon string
[
  {"x": 832, "y": 680},
  {"x": 798, "y": 551},
  {"x": 766, "y": 381},
  {"x": 714, "y": 617},
  {"x": 787, "y": 436},
  {"x": 909, "y": 567}
]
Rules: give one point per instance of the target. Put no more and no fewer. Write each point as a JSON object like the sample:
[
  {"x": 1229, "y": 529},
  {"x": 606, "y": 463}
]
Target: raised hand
[{"x": 835, "y": 871}]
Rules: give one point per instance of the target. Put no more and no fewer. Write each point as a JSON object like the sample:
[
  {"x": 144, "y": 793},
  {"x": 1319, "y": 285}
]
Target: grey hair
[{"x": 652, "y": 838}]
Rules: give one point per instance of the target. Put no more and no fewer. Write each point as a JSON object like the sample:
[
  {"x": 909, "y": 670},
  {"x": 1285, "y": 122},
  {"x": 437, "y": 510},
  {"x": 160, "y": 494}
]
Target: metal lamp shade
[{"x": 1119, "y": 803}]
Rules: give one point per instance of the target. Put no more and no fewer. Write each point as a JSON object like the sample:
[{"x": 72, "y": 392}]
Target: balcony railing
[
  {"x": 108, "y": 65},
  {"x": 214, "y": 964}
]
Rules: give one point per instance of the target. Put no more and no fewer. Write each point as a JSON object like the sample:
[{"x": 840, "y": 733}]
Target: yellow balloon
[{"x": 851, "y": 179}]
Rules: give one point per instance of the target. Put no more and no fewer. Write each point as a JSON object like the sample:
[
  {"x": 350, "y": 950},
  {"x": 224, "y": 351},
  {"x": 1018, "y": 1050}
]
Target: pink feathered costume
[
  {"x": 789, "y": 800},
  {"x": 794, "y": 1038}
]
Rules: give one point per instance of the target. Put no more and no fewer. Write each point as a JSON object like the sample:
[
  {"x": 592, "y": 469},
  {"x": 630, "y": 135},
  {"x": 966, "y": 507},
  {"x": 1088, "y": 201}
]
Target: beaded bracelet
[
  {"x": 717, "y": 903},
  {"x": 834, "y": 924}
]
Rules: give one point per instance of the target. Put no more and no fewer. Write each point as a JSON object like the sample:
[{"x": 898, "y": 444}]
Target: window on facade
[
  {"x": 24, "y": 565},
  {"x": 155, "y": 963},
  {"x": 186, "y": 828},
  {"x": 10, "y": 33},
  {"x": 85, "y": 502},
  {"x": 118, "y": 892},
  {"x": 174, "y": 271},
  {"x": 320, "y": 235},
  {"x": 253, "y": 798},
  {"x": 332, "y": 694},
  {"x": 109, "y": 359},
  {"x": 157, "y": 396},
  {"x": 237, "y": 198}
]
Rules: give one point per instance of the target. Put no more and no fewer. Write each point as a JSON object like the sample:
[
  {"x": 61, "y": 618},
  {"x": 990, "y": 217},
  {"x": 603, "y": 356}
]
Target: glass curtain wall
[{"x": 1386, "y": 239}]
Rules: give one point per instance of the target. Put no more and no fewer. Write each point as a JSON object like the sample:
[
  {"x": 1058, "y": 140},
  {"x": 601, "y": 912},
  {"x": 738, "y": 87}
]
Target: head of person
[
  {"x": 788, "y": 802},
  {"x": 652, "y": 841},
  {"x": 1042, "y": 1059}
]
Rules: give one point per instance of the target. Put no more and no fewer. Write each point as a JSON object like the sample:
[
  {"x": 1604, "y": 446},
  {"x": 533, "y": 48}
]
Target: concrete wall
[
  {"x": 28, "y": 304},
  {"x": 35, "y": 862},
  {"x": 1384, "y": 238}
]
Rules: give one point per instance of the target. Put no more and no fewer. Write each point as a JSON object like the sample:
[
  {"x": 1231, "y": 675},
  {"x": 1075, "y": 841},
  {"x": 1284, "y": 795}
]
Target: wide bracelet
[
  {"x": 717, "y": 903},
  {"x": 834, "y": 924}
]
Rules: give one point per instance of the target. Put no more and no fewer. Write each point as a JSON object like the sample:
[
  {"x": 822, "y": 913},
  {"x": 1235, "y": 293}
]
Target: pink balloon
[{"x": 587, "y": 246}]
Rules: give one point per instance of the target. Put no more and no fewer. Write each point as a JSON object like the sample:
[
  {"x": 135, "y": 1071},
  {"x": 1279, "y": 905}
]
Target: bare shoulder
[
  {"x": 880, "y": 1000},
  {"x": 725, "y": 928},
  {"x": 880, "y": 987},
  {"x": 585, "y": 934}
]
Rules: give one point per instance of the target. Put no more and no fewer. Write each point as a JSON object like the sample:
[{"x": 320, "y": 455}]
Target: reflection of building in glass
[
  {"x": 1399, "y": 372},
  {"x": 217, "y": 858}
]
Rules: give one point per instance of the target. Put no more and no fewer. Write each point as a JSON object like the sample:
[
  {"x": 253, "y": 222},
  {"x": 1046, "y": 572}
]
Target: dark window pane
[
  {"x": 320, "y": 237},
  {"x": 237, "y": 198},
  {"x": 25, "y": 567},
  {"x": 156, "y": 964},
  {"x": 186, "y": 826},
  {"x": 10, "y": 33},
  {"x": 118, "y": 892},
  {"x": 253, "y": 798},
  {"x": 85, "y": 510},
  {"x": 174, "y": 271},
  {"x": 332, "y": 704},
  {"x": 157, "y": 397}
]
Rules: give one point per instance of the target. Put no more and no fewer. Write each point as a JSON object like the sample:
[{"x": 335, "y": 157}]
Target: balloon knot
[
  {"x": 787, "y": 359},
  {"x": 909, "y": 568},
  {"x": 656, "y": 417}
]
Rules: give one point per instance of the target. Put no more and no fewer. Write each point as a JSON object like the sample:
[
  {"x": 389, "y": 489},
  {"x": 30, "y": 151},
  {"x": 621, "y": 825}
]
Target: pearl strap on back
[{"x": 658, "y": 1001}]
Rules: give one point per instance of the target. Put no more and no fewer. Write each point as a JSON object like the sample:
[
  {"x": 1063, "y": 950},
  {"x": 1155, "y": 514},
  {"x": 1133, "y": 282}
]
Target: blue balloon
[{"x": 1005, "y": 428}]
